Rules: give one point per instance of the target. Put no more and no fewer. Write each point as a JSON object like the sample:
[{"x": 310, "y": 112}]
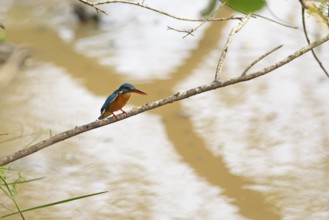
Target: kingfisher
[{"x": 117, "y": 100}]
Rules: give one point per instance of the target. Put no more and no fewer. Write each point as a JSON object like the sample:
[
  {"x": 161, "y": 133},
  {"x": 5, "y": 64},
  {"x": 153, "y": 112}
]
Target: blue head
[{"x": 128, "y": 88}]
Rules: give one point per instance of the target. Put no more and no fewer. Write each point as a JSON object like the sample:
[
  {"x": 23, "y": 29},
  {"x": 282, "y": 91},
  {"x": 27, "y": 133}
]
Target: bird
[{"x": 117, "y": 100}]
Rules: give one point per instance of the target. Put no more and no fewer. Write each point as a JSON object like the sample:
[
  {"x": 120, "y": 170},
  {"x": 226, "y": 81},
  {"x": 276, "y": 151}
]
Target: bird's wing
[{"x": 108, "y": 101}]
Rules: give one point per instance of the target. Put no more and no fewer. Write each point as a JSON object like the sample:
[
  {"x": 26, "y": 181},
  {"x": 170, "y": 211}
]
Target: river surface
[{"x": 257, "y": 150}]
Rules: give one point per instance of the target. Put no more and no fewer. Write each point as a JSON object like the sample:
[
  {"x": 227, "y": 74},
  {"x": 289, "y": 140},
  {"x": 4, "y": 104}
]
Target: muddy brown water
[{"x": 46, "y": 46}]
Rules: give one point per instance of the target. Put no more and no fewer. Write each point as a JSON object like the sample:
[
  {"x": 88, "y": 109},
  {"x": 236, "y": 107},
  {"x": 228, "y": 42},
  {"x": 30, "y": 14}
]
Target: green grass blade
[
  {"x": 25, "y": 181},
  {"x": 54, "y": 203},
  {"x": 12, "y": 197}
]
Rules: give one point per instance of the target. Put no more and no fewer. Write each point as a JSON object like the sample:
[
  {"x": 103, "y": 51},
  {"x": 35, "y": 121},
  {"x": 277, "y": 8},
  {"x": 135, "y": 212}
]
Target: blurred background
[{"x": 256, "y": 150}]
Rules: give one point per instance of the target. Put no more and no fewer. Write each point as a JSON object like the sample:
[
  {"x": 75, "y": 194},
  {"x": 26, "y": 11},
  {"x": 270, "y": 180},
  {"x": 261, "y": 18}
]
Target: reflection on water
[
  {"x": 152, "y": 51},
  {"x": 272, "y": 131},
  {"x": 251, "y": 151},
  {"x": 129, "y": 168}
]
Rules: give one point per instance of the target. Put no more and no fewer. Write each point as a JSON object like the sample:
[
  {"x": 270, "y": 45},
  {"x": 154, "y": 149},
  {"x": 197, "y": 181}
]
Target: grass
[
  {"x": 10, "y": 179},
  {"x": 8, "y": 186}
]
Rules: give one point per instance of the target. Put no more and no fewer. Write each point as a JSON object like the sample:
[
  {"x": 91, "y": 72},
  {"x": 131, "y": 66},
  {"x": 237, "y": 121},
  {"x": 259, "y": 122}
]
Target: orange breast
[{"x": 119, "y": 102}]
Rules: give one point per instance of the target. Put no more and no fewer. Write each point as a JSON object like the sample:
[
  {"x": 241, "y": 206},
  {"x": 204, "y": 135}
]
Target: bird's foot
[
  {"x": 124, "y": 112},
  {"x": 115, "y": 116}
]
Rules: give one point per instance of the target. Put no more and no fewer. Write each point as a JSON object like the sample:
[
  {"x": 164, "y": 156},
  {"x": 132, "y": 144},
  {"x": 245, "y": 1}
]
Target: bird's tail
[{"x": 104, "y": 115}]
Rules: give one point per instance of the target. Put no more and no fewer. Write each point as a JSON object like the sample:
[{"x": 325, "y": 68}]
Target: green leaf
[{"x": 246, "y": 6}]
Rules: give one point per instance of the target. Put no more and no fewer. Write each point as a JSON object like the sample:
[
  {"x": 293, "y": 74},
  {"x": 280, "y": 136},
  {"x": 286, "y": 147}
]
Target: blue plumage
[
  {"x": 109, "y": 100},
  {"x": 118, "y": 99}
]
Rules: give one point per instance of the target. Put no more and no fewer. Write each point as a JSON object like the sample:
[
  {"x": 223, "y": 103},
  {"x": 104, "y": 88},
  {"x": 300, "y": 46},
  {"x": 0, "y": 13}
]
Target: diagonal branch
[
  {"x": 227, "y": 45},
  {"x": 260, "y": 58},
  {"x": 152, "y": 105}
]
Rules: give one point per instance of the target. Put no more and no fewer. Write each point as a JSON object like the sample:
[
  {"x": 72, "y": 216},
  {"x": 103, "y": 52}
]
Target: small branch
[
  {"x": 227, "y": 45},
  {"x": 188, "y": 31},
  {"x": 274, "y": 21},
  {"x": 174, "y": 98},
  {"x": 212, "y": 15},
  {"x": 93, "y": 5},
  {"x": 195, "y": 29},
  {"x": 260, "y": 58},
  {"x": 142, "y": 5},
  {"x": 191, "y": 31},
  {"x": 309, "y": 41}
]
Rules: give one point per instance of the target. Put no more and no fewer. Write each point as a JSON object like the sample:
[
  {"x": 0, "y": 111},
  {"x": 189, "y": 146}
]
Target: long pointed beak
[{"x": 138, "y": 92}]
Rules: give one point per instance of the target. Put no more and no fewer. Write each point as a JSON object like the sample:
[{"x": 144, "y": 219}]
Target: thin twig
[
  {"x": 93, "y": 5},
  {"x": 157, "y": 10},
  {"x": 188, "y": 31},
  {"x": 274, "y": 21},
  {"x": 191, "y": 31},
  {"x": 309, "y": 41},
  {"x": 178, "y": 96},
  {"x": 195, "y": 29},
  {"x": 227, "y": 45},
  {"x": 259, "y": 59}
]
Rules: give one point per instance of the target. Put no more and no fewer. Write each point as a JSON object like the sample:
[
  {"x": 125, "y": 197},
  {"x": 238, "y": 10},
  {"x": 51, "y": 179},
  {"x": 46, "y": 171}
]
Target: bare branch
[
  {"x": 260, "y": 58},
  {"x": 227, "y": 45},
  {"x": 188, "y": 31},
  {"x": 93, "y": 4},
  {"x": 152, "y": 105},
  {"x": 195, "y": 29},
  {"x": 191, "y": 31},
  {"x": 308, "y": 41},
  {"x": 274, "y": 21}
]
